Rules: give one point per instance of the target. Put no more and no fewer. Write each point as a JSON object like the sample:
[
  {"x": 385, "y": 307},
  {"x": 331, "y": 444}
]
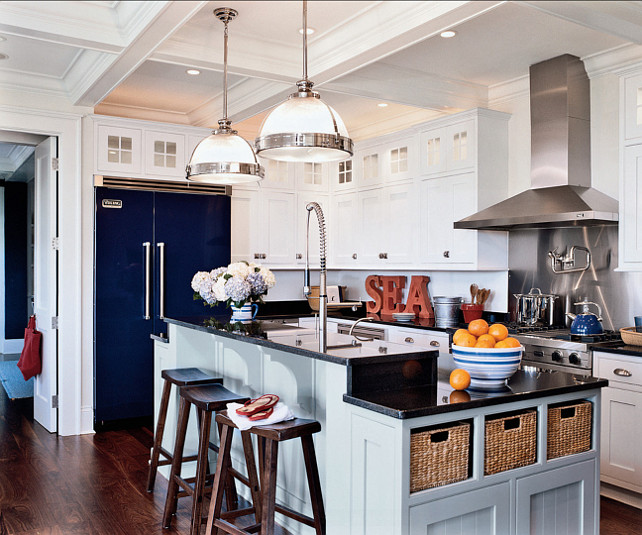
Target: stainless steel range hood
[{"x": 561, "y": 194}]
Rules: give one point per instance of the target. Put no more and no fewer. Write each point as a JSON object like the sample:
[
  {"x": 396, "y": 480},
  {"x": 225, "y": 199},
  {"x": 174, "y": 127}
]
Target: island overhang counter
[{"x": 373, "y": 400}]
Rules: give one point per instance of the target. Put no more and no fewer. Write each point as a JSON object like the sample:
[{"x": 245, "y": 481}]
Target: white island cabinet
[{"x": 372, "y": 401}]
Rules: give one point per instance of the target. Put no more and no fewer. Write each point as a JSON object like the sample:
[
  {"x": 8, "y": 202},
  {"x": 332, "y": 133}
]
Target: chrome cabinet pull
[
  {"x": 409, "y": 340},
  {"x": 257, "y": 256},
  {"x": 148, "y": 280},
  {"x": 434, "y": 343},
  {"x": 383, "y": 256},
  {"x": 161, "y": 279},
  {"x": 299, "y": 256},
  {"x": 446, "y": 254},
  {"x": 622, "y": 372},
  {"x": 354, "y": 256}
]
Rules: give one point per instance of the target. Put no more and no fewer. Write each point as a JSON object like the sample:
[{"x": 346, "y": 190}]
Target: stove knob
[
  {"x": 574, "y": 358},
  {"x": 557, "y": 356}
]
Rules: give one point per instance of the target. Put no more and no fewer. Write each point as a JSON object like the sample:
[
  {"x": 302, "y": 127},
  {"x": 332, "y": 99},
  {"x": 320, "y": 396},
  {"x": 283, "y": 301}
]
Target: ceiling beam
[{"x": 113, "y": 69}]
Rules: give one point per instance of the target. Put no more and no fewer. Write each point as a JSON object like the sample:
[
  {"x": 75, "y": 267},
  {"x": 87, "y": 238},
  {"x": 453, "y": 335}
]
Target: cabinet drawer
[
  {"x": 620, "y": 370},
  {"x": 418, "y": 339}
]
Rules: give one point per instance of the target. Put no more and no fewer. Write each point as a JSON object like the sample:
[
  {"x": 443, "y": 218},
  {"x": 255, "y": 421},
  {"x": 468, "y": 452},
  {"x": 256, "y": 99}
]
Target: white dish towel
[{"x": 281, "y": 413}]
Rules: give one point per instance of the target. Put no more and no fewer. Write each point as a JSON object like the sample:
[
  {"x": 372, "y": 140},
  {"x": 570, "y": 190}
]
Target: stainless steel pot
[{"x": 536, "y": 308}]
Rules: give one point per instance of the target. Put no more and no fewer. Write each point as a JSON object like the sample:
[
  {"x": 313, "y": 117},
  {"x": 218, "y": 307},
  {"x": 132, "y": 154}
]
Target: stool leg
[
  {"x": 250, "y": 464},
  {"x": 158, "y": 436},
  {"x": 221, "y": 474},
  {"x": 172, "y": 487},
  {"x": 231, "y": 497},
  {"x": 205, "y": 418},
  {"x": 268, "y": 487},
  {"x": 314, "y": 484}
]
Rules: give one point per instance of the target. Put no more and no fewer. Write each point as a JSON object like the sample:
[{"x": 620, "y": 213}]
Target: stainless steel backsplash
[{"x": 619, "y": 294}]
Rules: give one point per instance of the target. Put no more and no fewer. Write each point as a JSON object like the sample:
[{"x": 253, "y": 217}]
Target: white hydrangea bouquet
[{"x": 236, "y": 285}]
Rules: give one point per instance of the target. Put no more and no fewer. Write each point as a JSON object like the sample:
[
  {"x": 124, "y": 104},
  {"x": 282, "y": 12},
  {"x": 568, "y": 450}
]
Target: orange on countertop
[
  {"x": 459, "y": 379},
  {"x": 498, "y": 331},
  {"x": 478, "y": 327}
]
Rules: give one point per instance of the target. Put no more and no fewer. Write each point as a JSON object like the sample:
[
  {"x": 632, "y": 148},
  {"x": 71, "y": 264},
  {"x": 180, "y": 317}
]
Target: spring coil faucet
[{"x": 323, "y": 290}]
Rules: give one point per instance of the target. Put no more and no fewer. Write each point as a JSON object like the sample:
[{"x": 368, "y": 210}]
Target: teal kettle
[{"x": 586, "y": 322}]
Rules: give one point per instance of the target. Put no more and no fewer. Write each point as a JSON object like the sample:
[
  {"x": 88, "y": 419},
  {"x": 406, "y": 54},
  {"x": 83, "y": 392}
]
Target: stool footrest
[
  {"x": 233, "y": 530},
  {"x": 243, "y": 479},
  {"x": 235, "y": 513},
  {"x": 299, "y": 517}
]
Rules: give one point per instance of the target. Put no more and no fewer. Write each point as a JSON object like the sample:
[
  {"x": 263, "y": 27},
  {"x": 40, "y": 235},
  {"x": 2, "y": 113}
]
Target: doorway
[{"x": 29, "y": 263}]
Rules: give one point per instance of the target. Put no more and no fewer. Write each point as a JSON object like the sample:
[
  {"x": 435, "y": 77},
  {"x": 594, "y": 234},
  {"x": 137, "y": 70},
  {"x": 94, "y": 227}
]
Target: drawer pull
[
  {"x": 622, "y": 372},
  {"x": 409, "y": 340},
  {"x": 434, "y": 343}
]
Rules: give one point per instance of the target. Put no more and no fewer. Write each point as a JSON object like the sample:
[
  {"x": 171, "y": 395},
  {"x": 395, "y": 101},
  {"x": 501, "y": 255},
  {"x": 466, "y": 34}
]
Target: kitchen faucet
[{"x": 323, "y": 291}]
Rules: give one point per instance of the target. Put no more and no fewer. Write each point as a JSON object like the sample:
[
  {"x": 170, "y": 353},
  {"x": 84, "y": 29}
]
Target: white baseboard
[
  {"x": 621, "y": 495},
  {"x": 87, "y": 420},
  {"x": 10, "y": 347}
]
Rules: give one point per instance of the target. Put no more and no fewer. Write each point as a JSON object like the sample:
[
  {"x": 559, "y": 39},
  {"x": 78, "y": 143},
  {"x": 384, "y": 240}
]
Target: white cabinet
[
  {"x": 620, "y": 458},
  {"x": 343, "y": 246},
  {"x": 262, "y": 229},
  {"x": 632, "y": 89},
  {"x": 448, "y": 148},
  {"x": 558, "y": 501},
  {"x": 165, "y": 154},
  {"x": 278, "y": 174},
  {"x": 483, "y": 511},
  {"x": 119, "y": 150},
  {"x": 630, "y": 215},
  {"x": 341, "y": 175},
  {"x": 312, "y": 176}
]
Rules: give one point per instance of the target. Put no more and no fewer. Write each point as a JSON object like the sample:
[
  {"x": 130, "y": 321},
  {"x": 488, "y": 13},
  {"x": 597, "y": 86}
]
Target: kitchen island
[{"x": 373, "y": 399}]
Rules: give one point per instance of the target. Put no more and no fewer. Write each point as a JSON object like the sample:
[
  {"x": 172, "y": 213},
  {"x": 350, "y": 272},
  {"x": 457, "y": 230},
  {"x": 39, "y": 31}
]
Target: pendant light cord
[
  {"x": 225, "y": 72},
  {"x": 305, "y": 40}
]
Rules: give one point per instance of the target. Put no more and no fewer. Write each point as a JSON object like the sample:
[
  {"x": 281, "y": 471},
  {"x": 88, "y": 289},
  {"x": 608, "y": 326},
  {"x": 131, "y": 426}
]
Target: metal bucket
[{"x": 446, "y": 311}]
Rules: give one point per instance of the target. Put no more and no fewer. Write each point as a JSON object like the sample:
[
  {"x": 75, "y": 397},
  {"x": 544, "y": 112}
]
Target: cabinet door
[
  {"x": 302, "y": 200},
  {"x": 484, "y": 511},
  {"x": 278, "y": 174},
  {"x": 344, "y": 231},
  {"x": 277, "y": 227},
  {"x": 631, "y": 206},
  {"x": 371, "y": 227},
  {"x": 444, "y": 201},
  {"x": 461, "y": 146},
  {"x": 633, "y": 107},
  {"x": 342, "y": 176},
  {"x": 432, "y": 151},
  {"x": 398, "y": 160},
  {"x": 164, "y": 154},
  {"x": 368, "y": 167},
  {"x": 399, "y": 224},
  {"x": 245, "y": 226},
  {"x": 559, "y": 501},
  {"x": 620, "y": 455},
  {"x": 119, "y": 150},
  {"x": 311, "y": 176}
]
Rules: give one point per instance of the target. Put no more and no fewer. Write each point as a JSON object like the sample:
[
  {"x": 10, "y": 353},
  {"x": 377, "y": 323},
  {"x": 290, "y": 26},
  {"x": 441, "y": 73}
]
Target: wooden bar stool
[
  {"x": 180, "y": 377},
  {"x": 264, "y": 505},
  {"x": 207, "y": 399}
]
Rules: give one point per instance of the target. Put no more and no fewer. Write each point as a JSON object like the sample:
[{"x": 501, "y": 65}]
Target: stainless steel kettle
[{"x": 586, "y": 322}]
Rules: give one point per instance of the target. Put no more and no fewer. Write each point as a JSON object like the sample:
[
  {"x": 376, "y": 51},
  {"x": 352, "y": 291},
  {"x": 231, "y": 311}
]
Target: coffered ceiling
[{"x": 129, "y": 58}]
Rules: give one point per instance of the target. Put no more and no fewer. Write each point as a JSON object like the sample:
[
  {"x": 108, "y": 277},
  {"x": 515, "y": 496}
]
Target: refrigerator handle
[
  {"x": 148, "y": 279},
  {"x": 161, "y": 280}
]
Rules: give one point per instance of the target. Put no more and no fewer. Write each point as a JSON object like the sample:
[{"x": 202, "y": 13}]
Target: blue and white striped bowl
[{"x": 488, "y": 367}]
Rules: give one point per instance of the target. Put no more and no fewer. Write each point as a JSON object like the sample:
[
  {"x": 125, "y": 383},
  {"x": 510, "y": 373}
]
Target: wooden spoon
[
  {"x": 473, "y": 293},
  {"x": 484, "y": 296}
]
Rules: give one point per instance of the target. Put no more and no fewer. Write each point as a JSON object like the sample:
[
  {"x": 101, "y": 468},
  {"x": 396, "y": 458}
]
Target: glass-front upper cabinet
[{"x": 119, "y": 150}]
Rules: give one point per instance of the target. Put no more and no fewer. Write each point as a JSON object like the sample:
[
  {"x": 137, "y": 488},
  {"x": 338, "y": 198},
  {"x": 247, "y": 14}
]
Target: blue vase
[{"x": 244, "y": 313}]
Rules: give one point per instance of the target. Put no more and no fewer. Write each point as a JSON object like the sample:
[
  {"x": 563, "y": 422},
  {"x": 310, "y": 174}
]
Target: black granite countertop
[
  {"x": 342, "y": 349},
  {"x": 622, "y": 349},
  {"x": 441, "y": 397}
]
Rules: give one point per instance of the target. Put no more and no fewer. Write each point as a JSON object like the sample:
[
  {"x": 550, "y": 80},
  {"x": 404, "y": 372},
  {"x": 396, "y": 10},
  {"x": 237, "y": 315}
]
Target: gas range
[{"x": 558, "y": 349}]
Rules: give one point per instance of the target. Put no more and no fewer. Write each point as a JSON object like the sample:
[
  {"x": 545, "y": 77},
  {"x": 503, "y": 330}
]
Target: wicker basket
[
  {"x": 511, "y": 442},
  {"x": 439, "y": 456},
  {"x": 569, "y": 429},
  {"x": 631, "y": 336}
]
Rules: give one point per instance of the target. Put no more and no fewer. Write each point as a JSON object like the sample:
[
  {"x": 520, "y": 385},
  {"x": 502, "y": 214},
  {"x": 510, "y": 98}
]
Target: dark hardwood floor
[{"x": 95, "y": 484}]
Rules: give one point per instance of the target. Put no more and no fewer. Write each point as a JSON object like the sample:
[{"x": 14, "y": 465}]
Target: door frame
[{"x": 75, "y": 388}]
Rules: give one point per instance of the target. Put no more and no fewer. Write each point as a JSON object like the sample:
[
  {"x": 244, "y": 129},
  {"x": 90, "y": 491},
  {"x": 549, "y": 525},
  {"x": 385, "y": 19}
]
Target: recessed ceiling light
[
  {"x": 448, "y": 34},
  {"x": 309, "y": 32},
  {"x": 382, "y": 105},
  {"x": 3, "y": 56},
  {"x": 193, "y": 72}
]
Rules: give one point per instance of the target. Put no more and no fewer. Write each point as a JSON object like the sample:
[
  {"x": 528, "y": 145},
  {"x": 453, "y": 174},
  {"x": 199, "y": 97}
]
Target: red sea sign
[{"x": 387, "y": 292}]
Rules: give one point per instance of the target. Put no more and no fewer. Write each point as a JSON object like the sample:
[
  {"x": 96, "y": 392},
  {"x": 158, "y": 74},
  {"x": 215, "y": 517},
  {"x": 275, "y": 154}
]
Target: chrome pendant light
[
  {"x": 224, "y": 157},
  {"x": 303, "y": 128}
]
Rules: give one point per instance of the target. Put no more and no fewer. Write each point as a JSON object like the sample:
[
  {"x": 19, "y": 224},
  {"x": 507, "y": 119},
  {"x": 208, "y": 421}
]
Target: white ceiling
[{"x": 128, "y": 58}]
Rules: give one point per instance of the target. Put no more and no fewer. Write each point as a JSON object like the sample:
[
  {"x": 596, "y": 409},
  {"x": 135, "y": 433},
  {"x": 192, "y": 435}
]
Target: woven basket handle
[
  {"x": 440, "y": 436},
  {"x": 512, "y": 423},
  {"x": 567, "y": 412}
]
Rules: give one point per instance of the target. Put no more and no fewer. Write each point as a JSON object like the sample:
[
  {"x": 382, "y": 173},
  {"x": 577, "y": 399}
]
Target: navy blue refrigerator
[{"x": 148, "y": 245}]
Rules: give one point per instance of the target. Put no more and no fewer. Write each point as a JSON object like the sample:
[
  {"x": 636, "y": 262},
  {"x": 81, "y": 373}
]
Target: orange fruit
[
  {"x": 459, "y": 396},
  {"x": 458, "y": 334},
  {"x": 485, "y": 340},
  {"x": 459, "y": 379},
  {"x": 466, "y": 340},
  {"x": 478, "y": 327},
  {"x": 498, "y": 331},
  {"x": 507, "y": 342}
]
